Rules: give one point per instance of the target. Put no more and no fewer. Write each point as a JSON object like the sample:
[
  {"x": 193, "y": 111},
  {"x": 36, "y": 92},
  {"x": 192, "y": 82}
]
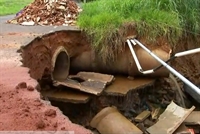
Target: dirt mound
[
  {"x": 48, "y": 12},
  {"x": 22, "y": 109}
]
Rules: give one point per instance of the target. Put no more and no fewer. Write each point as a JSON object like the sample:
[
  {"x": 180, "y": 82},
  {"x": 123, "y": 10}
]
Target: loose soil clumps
[{"x": 23, "y": 110}]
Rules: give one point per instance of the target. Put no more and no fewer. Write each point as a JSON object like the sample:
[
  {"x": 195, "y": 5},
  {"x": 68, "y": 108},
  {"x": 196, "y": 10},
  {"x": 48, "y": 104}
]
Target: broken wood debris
[
  {"x": 89, "y": 82},
  {"x": 48, "y": 12},
  {"x": 155, "y": 113},
  {"x": 142, "y": 116},
  {"x": 170, "y": 119}
]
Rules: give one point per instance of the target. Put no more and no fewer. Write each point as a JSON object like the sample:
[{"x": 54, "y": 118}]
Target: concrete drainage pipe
[{"x": 60, "y": 64}]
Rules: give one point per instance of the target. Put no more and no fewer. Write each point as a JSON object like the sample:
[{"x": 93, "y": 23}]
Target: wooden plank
[
  {"x": 122, "y": 85},
  {"x": 66, "y": 96}
]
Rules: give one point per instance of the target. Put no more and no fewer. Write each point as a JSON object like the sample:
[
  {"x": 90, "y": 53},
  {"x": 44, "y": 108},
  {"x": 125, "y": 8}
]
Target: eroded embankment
[
  {"x": 188, "y": 65},
  {"x": 38, "y": 55}
]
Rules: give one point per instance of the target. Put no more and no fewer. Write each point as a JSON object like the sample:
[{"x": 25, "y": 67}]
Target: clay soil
[{"x": 21, "y": 106}]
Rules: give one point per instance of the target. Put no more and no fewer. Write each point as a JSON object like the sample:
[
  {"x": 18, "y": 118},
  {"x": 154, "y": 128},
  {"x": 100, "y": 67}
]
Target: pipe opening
[{"x": 61, "y": 63}]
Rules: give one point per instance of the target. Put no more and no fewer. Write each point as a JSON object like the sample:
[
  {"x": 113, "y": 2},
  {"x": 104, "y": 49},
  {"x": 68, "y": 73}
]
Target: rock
[
  {"x": 55, "y": 125},
  {"x": 40, "y": 124},
  {"x": 30, "y": 88},
  {"x": 37, "y": 103},
  {"x": 63, "y": 128},
  {"x": 21, "y": 85},
  {"x": 50, "y": 112}
]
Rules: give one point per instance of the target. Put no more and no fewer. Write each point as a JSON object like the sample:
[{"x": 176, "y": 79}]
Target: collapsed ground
[
  {"x": 149, "y": 98},
  {"x": 40, "y": 69}
]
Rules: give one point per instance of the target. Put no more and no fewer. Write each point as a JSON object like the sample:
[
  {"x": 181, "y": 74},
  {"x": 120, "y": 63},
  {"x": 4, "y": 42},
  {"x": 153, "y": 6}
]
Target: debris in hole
[
  {"x": 142, "y": 116},
  {"x": 93, "y": 83},
  {"x": 170, "y": 119},
  {"x": 155, "y": 113},
  {"x": 41, "y": 12},
  {"x": 109, "y": 120}
]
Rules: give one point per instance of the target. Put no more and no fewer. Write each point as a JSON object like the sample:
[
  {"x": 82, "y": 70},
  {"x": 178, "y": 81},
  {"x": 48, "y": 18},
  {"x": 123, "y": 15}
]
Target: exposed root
[{"x": 180, "y": 92}]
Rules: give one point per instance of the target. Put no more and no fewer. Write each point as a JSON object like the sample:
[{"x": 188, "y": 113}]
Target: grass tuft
[
  {"x": 12, "y": 6},
  {"x": 105, "y": 20}
]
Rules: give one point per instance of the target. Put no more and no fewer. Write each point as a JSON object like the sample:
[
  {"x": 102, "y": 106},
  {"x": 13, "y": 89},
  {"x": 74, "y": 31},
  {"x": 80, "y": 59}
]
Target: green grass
[
  {"x": 102, "y": 19},
  {"x": 12, "y": 6}
]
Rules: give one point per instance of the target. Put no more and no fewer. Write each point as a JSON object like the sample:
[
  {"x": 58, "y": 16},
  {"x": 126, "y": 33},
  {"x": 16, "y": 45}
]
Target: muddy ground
[{"x": 21, "y": 106}]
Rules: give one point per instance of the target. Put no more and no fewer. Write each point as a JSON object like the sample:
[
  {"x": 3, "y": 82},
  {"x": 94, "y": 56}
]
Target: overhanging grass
[
  {"x": 12, "y": 6},
  {"x": 102, "y": 19}
]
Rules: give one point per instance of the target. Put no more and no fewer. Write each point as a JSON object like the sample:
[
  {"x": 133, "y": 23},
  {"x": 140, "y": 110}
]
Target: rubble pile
[{"x": 48, "y": 12}]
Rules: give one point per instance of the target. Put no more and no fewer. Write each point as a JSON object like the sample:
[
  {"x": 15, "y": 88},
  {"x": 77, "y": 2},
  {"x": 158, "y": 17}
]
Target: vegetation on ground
[
  {"x": 12, "y": 6},
  {"x": 102, "y": 19}
]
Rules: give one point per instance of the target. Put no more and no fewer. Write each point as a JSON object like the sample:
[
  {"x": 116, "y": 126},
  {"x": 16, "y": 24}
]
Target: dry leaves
[{"x": 48, "y": 12}]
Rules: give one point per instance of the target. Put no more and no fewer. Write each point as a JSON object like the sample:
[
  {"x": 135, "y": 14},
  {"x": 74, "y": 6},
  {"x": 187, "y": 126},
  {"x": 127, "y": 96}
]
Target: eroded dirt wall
[
  {"x": 189, "y": 65},
  {"x": 38, "y": 53}
]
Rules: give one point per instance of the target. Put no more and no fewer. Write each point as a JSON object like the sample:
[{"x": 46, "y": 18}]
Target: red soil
[{"x": 21, "y": 107}]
